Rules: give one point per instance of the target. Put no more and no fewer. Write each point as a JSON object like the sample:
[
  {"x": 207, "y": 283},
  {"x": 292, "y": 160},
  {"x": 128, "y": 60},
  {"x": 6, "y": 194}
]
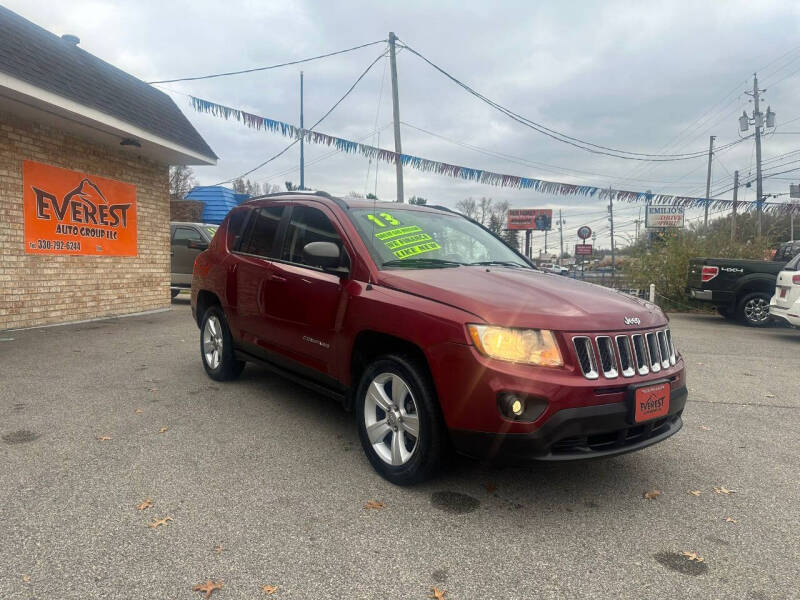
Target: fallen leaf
[
  {"x": 700, "y": 364},
  {"x": 769, "y": 395},
  {"x": 704, "y": 428},
  {"x": 693, "y": 556},
  {"x": 155, "y": 389},
  {"x": 437, "y": 594},
  {"x": 219, "y": 549},
  {"x": 138, "y": 411},
  {"x": 695, "y": 492},
  {"x": 731, "y": 520},
  {"x": 372, "y": 504},
  {"x": 269, "y": 589},
  {"x": 208, "y": 587},
  {"x": 103, "y": 438},
  {"x": 652, "y": 495},
  {"x": 163, "y": 430},
  {"x": 157, "y": 522},
  {"x": 144, "y": 505},
  {"x": 723, "y": 490},
  {"x": 491, "y": 487},
  {"x": 26, "y": 579},
  {"x": 746, "y": 374}
]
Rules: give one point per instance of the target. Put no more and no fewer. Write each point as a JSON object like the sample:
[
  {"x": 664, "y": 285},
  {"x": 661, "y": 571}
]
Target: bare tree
[
  {"x": 467, "y": 207},
  {"x": 181, "y": 181},
  {"x": 484, "y": 210}
]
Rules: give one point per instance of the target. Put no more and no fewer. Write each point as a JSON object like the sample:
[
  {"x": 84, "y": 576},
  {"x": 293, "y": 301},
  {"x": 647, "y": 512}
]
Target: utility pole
[
  {"x": 302, "y": 136},
  {"x": 758, "y": 121},
  {"x": 735, "y": 197},
  {"x": 398, "y": 148},
  {"x": 561, "y": 237},
  {"x": 611, "y": 220},
  {"x": 708, "y": 177},
  {"x": 759, "y": 183},
  {"x": 545, "y": 241}
]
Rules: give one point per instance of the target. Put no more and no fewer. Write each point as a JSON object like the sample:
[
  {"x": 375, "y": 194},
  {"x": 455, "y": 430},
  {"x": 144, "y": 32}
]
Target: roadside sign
[
  {"x": 584, "y": 232},
  {"x": 658, "y": 217},
  {"x": 539, "y": 219},
  {"x": 583, "y": 249},
  {"x": 794, "y": 190}
]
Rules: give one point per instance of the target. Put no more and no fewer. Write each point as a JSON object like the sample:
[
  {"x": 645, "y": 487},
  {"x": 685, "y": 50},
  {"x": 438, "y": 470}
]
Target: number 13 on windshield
[{"x": 383, "y": 217}]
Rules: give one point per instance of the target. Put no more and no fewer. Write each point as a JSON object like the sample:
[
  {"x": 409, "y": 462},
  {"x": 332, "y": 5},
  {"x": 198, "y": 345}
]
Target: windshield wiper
[
  {"x": 498, "y": 263},
  {"x": 421, "y": 262}
]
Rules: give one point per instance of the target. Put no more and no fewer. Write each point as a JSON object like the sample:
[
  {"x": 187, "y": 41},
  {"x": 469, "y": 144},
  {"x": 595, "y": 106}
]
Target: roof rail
[{"x": 338, "y": 201}]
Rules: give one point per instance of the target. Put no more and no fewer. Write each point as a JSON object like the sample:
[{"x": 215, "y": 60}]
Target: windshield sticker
[
  {"x": 414, "y": 250},
  {"x": 407, "y": 240},
  {"x": 393, "y": 233}
]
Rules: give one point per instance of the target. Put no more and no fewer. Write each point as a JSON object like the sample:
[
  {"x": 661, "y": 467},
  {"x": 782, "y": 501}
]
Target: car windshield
[{"x": 398, "y": 237}]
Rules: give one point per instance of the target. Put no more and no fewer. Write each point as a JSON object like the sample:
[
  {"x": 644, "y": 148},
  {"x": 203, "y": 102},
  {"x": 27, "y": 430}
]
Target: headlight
[{"x": 531, "y": 346}]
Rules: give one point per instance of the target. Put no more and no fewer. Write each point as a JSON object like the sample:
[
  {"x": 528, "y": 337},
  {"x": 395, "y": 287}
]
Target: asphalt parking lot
[{"x": 265, "y": 483}]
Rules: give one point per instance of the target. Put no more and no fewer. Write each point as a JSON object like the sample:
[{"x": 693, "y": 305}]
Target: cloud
[{"x": 639, "y": 76}]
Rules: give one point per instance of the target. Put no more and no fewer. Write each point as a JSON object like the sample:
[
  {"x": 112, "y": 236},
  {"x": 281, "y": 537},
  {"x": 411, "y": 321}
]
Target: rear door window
[
  {"x": 262, "y": 231},
  {"x": 307, "y": 225}
]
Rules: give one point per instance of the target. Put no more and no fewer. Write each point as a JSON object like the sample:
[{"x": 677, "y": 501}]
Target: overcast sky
[{"x": 640, "y": 76}]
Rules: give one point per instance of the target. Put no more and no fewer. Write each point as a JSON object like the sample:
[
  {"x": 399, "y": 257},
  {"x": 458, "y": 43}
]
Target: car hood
[{"x": 526, "y": 298}]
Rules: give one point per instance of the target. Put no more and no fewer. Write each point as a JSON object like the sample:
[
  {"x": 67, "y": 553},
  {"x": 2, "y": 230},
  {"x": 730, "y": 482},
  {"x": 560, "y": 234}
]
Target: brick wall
[
  {"x": 42, "y": 289},
  {"x": 189, "y": 211}
]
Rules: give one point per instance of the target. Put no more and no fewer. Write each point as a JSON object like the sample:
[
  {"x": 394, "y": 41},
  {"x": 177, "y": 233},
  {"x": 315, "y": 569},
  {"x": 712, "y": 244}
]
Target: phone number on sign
[{"x": 56, "y": 245}]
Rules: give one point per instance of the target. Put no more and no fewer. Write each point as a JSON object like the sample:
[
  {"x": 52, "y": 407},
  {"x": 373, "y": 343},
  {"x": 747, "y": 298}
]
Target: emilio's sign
[{"x": 67, "y": 212}]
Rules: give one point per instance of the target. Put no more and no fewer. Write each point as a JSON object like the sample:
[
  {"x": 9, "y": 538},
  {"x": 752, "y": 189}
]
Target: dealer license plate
[{"x": 651, "y": 402}]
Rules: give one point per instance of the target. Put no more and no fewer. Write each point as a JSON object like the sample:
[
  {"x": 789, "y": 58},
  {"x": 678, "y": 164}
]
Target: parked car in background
[
  {"x": 434, "y": 333},
  {"x": 785, "y": 304},
  {"x": 739, "y": 288},
  {"x": 187, "y": 240}
]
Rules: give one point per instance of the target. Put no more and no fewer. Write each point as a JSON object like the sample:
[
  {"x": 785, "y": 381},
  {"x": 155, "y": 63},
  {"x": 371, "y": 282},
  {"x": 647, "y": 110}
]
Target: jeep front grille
[
  {"x": 585, "y": 353},
  {"x": 625, "y": 355}
]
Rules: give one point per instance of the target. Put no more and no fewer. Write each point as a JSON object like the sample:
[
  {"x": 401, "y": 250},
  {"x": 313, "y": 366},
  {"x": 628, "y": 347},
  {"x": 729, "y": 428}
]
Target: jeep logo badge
[{"x": 633, "y": 321}]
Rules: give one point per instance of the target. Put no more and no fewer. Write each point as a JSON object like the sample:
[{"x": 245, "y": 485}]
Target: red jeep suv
[{"x": 435, "y": 333}]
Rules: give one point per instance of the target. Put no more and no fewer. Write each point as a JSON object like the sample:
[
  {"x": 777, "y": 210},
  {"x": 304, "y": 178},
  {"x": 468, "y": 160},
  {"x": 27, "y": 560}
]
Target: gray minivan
[{"x": 187, "y": 240}]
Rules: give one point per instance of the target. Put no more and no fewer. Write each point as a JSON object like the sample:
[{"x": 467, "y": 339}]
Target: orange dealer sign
[{"x": 67, "y": 212}]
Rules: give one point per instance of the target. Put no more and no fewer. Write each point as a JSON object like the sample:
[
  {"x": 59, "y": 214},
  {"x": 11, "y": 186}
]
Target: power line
[
  {"x": 286, "y": 64},
  {"x": 520, "y": 160},
  {"x": 322, "y": 118},
  {"x": 561, "y": 137}
]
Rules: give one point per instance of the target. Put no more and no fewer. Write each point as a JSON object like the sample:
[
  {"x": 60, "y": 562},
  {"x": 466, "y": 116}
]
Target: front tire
[
  {"x": 216, "y": 347},
  {"x": 753, "y": 309},
  {"x": 399, "y": 422}
]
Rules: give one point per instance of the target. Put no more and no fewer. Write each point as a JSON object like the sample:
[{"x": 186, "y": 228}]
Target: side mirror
[
  {"x": 324, "y": 255},
  {"x": 198, "y": 245}
]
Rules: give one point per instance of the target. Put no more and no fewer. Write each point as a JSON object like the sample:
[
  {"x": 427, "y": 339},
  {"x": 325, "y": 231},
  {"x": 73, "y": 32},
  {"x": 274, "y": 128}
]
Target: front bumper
[{"x": 576, "y": 434}]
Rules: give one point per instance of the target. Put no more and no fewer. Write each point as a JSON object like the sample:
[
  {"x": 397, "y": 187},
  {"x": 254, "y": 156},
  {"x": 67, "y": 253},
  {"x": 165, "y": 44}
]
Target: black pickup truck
[{"x": 739, "y": 288}]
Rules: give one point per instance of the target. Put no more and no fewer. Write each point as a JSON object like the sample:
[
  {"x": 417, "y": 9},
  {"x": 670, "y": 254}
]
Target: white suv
[{"x": 785, "y": 303}]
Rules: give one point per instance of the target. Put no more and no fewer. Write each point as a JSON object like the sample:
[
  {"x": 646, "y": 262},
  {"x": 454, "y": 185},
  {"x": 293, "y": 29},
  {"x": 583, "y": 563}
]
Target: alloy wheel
[
  {"x": 391, "y": 419},
  {"x": 212, "y": 342},
  {"x": 756, "y": 310}
]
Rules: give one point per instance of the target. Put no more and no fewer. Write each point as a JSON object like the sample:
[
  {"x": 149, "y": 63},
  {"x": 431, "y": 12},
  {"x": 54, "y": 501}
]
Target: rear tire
[
  {"x": 216, "y": 347},
  {"x": 753, "y": 309},
  {"x": 399, "y": 421}
]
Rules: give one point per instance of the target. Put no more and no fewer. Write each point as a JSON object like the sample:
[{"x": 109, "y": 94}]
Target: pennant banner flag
[{"x": 481, "y": 176}]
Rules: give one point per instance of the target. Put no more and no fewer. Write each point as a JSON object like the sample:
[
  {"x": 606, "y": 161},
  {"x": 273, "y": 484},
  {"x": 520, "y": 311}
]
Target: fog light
[{"x": 520, "y": 407}]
